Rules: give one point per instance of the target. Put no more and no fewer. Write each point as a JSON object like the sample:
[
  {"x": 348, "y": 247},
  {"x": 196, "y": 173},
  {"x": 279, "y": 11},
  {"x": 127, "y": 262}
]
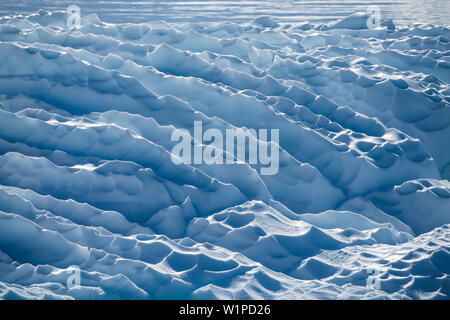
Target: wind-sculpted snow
[{"x": 360, "y": 205}]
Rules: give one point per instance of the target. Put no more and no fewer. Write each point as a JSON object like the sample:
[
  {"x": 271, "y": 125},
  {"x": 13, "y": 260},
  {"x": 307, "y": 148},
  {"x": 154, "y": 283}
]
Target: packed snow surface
[{"x": 360, "y": 206}]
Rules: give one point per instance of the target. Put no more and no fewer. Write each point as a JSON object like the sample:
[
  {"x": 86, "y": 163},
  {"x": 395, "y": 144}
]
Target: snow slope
[{"x": 86, "y": 177}]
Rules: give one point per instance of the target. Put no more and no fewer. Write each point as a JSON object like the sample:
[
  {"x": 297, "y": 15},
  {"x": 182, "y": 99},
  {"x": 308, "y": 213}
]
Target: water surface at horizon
[{"x": 135, "y": 11}]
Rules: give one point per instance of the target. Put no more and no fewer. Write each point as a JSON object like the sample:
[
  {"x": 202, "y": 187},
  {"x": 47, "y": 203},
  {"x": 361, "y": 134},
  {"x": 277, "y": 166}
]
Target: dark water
[{"x": 402, "y": 11}]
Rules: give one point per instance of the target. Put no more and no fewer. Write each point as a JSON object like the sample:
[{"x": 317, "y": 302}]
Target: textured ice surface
[{"x": 360, "y": 207}]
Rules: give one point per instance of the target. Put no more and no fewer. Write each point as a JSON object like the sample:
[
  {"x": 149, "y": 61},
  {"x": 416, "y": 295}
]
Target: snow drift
[{"x": 86, "y": 176}]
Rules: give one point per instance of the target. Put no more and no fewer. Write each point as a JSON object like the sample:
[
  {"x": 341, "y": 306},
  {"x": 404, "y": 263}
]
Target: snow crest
[{"x": 360, "y": 205}]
